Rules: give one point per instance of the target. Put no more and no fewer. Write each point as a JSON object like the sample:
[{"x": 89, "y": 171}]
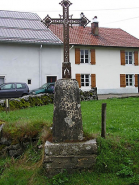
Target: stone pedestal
[
  {"x": 69, "y": 156},
  {"x": 67, "y": 119}
]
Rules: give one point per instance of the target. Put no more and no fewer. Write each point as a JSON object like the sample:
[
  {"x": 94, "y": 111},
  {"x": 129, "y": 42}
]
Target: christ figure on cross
[{"x": 67, "y": 21}]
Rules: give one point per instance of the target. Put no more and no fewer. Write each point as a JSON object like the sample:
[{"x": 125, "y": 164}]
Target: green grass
[
  {"x": 42, "y": 113},
  {"x": 118, "y": 154}
]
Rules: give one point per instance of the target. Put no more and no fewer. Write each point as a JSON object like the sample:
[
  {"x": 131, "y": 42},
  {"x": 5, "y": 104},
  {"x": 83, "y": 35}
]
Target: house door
[
  {"x": 1, "y": 80},
  {"x": 138, "y": 83},
  {"x": 51, "y": 79}
]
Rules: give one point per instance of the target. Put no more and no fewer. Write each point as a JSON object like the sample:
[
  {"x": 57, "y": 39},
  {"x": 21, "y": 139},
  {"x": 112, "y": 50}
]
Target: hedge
[{"x": 42, "y": 99}]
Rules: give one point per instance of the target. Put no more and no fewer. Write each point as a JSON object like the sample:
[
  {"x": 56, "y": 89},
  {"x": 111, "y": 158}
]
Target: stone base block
[{"x": 69, "y": 156}]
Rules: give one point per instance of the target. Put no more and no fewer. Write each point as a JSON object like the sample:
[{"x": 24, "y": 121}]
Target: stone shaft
[{"x": 67, "y": 119}]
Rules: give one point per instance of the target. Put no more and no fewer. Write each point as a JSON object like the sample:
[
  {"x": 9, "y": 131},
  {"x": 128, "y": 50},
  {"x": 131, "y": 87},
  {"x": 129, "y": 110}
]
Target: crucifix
[{"x": 67, "y": 21}]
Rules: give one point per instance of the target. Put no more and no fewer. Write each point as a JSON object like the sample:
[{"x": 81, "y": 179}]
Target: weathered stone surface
[
  {"x": 64, "y": 149},
  {"x": 5, "y": 141},
  {"x": 15, "y": 153},
  {"x": 69, "y": 156},
  {"x": 67, "y": 119},
  {"x": 89, "y": 95}
]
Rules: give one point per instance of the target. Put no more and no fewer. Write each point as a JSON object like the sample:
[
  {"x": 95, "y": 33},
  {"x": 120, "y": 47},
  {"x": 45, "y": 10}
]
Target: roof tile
[{"x": 114, "y": 37}]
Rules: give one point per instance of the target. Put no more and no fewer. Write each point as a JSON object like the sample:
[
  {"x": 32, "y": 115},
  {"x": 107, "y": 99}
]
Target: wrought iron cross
[{"x": 67, "y": 21}]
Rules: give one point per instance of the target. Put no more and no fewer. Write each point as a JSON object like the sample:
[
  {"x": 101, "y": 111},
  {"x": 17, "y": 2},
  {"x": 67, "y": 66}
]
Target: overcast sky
[{"x": 122, "y": 14}]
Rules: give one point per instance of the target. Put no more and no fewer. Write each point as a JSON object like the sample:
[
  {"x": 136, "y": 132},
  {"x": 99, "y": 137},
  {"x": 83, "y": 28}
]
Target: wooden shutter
[
  {"x": 93, "y": 58},
  {"x": 136, "y": 80},
  {"x": 78, "y": 78},
  {"x": 77, "y": 56},
  {"x": 122, "y": 57},
  {"x": 93, "y": 80},
  {"x": 122, "y": 80},
  {"x": 136, "y": 58}
]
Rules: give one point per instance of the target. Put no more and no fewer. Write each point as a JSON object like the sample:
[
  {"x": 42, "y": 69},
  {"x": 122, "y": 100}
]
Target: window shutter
[
  {"x": 136, "y": 80},
  {"x": 122, "y": 57},
  {"x": 122, "y": 80},
  {"x": 93, "y": 80},
  {"x": 93, "y": 58},
  {"x": 136, "y": 58},
  {"x": 78, "y": 78},
  {"x": 77, "y": 56}
]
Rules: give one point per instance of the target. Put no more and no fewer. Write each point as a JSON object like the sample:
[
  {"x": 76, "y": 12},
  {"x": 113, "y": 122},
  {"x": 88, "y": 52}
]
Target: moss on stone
[
  {"x": 2, "y": 147},
  {"x": 43, "y": 99}
]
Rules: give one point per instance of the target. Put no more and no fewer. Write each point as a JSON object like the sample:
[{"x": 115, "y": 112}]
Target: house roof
[
  {"x": 107, "y": 36},
  {"x": 25, "y": 27}
]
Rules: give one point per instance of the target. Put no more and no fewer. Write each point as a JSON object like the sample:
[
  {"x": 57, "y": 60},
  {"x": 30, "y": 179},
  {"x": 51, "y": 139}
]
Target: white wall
[
  {"x": 18, "y": 63},
  {"x": 107, "y": 69}
]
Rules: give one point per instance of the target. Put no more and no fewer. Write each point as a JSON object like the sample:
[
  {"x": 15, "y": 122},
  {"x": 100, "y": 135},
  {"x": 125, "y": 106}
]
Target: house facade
[
  {"x": 104, "y": 58},
  {"x": 106, "y": 69},
  {"x": 29, "y": 52}
]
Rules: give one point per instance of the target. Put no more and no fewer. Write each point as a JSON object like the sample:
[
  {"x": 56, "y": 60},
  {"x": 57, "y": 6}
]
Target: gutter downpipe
[{"x": 40, "y": 66}]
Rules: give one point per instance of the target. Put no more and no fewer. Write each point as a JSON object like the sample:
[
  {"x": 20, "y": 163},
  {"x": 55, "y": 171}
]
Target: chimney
[{"x": 94, "y": 26}]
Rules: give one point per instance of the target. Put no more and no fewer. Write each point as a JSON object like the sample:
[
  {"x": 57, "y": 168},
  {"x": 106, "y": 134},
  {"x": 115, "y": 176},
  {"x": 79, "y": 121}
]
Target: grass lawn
[{"x": 118, "y": 154}]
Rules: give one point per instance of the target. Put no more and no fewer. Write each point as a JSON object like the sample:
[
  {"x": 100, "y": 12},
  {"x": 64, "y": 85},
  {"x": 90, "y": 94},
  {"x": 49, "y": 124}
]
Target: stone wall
[
  {"x": 28, "y": 101},
  {"x": 89, "y": 95},
  {"x": 10, "y": 147},
  {"x": 43, "y": 99}
]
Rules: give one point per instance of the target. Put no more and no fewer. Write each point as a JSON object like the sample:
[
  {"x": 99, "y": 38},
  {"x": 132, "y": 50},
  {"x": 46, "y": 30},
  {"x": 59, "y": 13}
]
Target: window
[
  {"x": 8, "y": 86},
  {"x": 20, "y": 86},
  {"x": 129, "y": 57},
  {"x": 84, "y": 56},
  {"x": 50, "y": 79},
  {"x": 129, "y": 80},
  {"x": 29, "y": 81},
  {"x": 51, "y": 87},
  {"x": 85, "y": 80}
]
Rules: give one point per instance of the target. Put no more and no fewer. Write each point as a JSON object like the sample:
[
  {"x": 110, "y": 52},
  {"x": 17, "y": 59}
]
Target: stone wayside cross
[
  {"x": 65, "y": 151},
  {"x": 67, "y": 119},
  {"x": 67, "y": 21}
]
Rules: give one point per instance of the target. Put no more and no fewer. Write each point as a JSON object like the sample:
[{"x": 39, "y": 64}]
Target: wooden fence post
[
  {"x": 103, "y": 122},
  {"x": 7, "y": 105}
]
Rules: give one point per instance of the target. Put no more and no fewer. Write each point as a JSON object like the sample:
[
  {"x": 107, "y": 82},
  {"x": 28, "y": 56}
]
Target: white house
[
  {"x": 105, "y": 58},
  {"x": 29, "y": 52}
]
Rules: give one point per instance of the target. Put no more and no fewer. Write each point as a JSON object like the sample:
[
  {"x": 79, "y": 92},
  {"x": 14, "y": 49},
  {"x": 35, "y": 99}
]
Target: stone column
[{"x": 67, "y": 119}]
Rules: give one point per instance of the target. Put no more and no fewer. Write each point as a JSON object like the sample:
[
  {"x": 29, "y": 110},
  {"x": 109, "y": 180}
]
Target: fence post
[
  {"x": 7, "y": 105},
  {"x": 103, "y": 122}
]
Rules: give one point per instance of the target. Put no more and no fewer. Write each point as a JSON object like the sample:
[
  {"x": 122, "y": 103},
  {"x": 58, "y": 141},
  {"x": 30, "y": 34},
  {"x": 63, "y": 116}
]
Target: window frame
[
  {"x": 84, "y": 80},
  {"x": 127, "y": 57},
  {"x": 128, "y": 78},
  {"x": 84, "y": 56}
]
